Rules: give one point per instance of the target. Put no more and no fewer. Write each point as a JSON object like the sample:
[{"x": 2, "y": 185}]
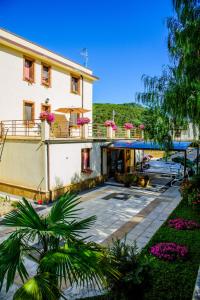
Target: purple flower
[
  {"x": 181, "y": 224},
  {"x": 169, "y": 251},
  {"x": 128, "y": 126}
]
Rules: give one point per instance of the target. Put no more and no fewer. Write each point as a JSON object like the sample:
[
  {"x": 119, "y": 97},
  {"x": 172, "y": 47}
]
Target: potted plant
[
  {"x": 128, "y": 179},
  {"x": 143, "y": 181},
  {"x": 109, "y": 124},
  {"x": 128, "y": 127},
  {"x": 83, "y": 122}
]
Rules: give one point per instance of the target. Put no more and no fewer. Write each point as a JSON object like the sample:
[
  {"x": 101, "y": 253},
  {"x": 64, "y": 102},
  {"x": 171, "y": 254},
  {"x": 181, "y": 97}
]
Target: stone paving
[{"x": 120, "y": 211}]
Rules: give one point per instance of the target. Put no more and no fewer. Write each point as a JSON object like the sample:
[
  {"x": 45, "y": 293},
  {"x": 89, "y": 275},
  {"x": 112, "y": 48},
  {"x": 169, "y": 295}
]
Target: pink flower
[
  {"x": 114, "y": 127},
  {"x": 109, "y": 123},
  {"x": 82, "y": 121},
  {"x": 169, "y": 251},
  {"x": 181, "y": 224},
  {"x": 50, "y": 118},
  {"x": 142, "y": 127},
  {"x": 43, "y": 115},
  {"x": 128, "y": 126}
]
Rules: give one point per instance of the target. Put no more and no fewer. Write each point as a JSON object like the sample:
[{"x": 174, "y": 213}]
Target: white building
[{"x": 36, "y": 160}]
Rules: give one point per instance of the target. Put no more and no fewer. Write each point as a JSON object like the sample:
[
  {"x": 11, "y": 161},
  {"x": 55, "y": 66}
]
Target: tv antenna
[{"x": 84, "y": 54}]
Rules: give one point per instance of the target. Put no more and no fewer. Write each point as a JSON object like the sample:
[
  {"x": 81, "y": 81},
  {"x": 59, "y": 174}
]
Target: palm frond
[
  {"x": 24, "y": 216},
  {"x": 64, "y": 208},
  {"x": 40, "y": 287},
  {"x": 12, "y": 251},
  {"x": 78, "y": 263}
]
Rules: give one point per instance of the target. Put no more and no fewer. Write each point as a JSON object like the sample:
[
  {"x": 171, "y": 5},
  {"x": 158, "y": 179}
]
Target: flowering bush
[
  {"x": 109, "y": 123},
  {"x": 141, "y": 126},
  {"x": 128, "y": 126},
  {"x": 49, "y": 117},
  {"x": 181, "y": 224},
  {"x": 169, "y": 251},
  {"x": 82, "y": 121},
  {"x": 190, "y": 191}
]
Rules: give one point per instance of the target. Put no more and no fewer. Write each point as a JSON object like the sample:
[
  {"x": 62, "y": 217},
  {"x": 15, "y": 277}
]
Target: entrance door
[{"x": 115, "y": 162}]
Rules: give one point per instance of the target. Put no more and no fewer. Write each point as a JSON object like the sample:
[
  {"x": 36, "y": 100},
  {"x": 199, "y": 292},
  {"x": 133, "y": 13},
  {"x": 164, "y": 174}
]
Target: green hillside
[{"x": 127, "y": 112}]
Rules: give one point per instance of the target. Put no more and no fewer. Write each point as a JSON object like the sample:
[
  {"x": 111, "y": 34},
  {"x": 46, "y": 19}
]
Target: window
[
  {"x": 29, "y": 111},
  {"x": 73, "y": 118},
  {"x": 46, "y": 107},
  {"x": 85, "y": 160},
  {"x": 29, "y": 69},
  {"x": 46, "y": 75},
  {"x": 75, "y": 84}
]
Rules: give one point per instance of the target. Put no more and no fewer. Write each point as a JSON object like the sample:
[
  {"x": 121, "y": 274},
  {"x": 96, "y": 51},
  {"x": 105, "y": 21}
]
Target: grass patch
[{"x": 175, "y": 280}]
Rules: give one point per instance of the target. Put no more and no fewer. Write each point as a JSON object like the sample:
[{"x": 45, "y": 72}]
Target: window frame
[
  {"x": 30, "y": 80},
  {"x": 43, "y": 82},
  {"x": 32, "y": 121},
  {"x": 79, "y": 85}
]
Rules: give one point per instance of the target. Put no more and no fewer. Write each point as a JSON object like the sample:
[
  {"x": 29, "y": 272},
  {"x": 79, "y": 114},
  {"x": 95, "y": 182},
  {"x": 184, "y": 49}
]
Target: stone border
[
  {"x": 196, "y": 294},
  {"x": 132, "y": 223}
]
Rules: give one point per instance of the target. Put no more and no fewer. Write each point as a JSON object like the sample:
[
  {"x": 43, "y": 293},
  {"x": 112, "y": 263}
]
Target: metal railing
[{"x": 21, "y": 128}]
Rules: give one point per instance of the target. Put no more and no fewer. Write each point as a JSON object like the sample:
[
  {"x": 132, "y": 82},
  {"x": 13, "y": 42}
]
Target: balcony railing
[
  {"x": 21, "y": 128},
  {"x": 66, "y": 130}
]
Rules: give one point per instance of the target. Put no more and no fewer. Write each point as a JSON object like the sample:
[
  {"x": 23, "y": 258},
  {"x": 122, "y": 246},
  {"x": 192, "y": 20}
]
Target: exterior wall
[
  {"x": 65, "y": 163},
  {"x": 191, "y": 133},
  {"x": 14, "y": 89},
  {"x": 23, "y": 164}
]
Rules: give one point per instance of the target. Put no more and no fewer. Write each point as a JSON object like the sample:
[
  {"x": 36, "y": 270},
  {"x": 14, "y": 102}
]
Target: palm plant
[{"x": 55, "y": 244}]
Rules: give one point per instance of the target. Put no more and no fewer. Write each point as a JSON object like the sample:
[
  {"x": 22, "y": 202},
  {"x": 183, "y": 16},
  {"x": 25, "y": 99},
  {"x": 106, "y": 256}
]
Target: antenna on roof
[{"x": 84, "y": 53}]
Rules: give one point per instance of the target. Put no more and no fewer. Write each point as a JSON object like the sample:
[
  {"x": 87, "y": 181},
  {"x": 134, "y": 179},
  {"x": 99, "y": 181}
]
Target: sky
[{"x": 125, "y": 39}]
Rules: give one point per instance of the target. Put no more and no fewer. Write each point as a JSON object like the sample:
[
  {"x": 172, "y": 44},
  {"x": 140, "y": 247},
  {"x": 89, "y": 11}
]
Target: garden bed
[
  {"x": 6, "y": 206},
  {"x": 175, "y": 280}
]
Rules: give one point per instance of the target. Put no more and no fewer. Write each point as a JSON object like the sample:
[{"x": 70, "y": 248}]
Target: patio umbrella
[{"x": 66, "y": 110}]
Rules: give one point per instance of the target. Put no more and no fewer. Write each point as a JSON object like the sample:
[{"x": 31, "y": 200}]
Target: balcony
[
  {"x": 20, "y": 129},
  {"x": 37, "y": 129}
]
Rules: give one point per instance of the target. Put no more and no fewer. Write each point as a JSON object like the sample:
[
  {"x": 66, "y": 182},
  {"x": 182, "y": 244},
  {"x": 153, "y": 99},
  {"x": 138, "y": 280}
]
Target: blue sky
[{"x": 125, "y": 39}]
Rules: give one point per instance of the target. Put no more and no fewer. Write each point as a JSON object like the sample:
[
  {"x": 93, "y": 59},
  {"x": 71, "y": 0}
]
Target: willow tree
[{"x": 177, "y": 91}]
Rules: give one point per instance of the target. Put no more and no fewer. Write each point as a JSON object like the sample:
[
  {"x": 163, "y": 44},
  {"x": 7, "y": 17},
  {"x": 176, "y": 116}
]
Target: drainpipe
[
  {"x": 48, "y": 171},
  {"x": 82, "y": 94}
]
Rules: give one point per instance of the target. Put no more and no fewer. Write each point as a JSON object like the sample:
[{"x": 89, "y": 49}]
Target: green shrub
[{"x": 134, "y": 271}]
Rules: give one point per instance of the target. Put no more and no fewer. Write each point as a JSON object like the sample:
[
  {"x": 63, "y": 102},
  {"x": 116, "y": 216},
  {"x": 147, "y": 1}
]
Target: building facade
[{"x": 39, "y": 160}]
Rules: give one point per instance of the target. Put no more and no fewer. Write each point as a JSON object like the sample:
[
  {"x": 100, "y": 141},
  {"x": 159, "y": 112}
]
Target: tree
[
  {"x": 54, "y": 243},
  {"x": 177, "y": 91}
]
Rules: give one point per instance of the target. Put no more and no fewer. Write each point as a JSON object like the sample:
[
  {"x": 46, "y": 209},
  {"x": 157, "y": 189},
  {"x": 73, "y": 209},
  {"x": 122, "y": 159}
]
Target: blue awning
[{"x": 143, "y": 145}]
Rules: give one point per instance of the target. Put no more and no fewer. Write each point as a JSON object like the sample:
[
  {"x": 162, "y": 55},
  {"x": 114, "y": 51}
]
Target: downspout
[
  {"x": 48, "y": 172},
  {"x": 82, "y": 93}
]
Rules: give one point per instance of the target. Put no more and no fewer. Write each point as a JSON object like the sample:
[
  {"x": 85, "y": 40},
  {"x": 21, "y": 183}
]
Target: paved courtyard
[{"x": 120, "y": 211}]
